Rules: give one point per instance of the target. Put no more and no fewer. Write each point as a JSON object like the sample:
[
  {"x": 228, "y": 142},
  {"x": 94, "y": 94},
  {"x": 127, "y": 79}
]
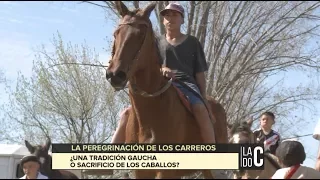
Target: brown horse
[
  {"x": 241, "y": 133},
  {"x": 46, "y": 160},
  {"x": 157, "y": 114}
]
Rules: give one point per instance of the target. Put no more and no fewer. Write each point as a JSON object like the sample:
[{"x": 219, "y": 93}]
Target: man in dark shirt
[
  {"x": 183, "y": 58},
  {"x": 265, "y": 135}
]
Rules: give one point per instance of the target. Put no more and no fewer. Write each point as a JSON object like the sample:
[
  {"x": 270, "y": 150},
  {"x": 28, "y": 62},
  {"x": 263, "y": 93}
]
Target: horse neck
[
  {"x": 149, "y": 79},
  {"x": 46, "y": 168}
]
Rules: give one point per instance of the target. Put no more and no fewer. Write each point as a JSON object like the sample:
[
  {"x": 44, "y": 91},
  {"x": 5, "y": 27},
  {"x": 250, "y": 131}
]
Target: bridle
[
  {"x": 133, "y": 85},
  {"x": 45, "y": 165}
]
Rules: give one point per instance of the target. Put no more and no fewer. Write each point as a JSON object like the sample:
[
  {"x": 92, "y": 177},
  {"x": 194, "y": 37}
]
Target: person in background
[
  {"x": 291, "y": 155},
  {"x": 265, "y": 134},
  {"x": 31, "y": 168}
]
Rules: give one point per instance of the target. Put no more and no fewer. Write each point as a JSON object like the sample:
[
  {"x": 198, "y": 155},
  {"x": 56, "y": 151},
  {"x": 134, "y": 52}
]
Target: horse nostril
[
  {"x": 121, "y": 75},
  {"x": 108, "y": 75}
]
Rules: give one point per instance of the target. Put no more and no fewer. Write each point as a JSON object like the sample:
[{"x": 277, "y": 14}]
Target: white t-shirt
[
  {"x": 302, "y": 172},
  {"x": 40, "y": 176}
]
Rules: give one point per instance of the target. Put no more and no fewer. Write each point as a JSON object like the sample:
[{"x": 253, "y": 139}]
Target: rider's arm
[{"x": 200, "y": 68}]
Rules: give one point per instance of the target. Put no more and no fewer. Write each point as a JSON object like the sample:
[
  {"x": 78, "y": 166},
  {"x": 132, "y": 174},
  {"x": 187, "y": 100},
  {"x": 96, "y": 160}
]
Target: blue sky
[{"x": 27, "y": 25}]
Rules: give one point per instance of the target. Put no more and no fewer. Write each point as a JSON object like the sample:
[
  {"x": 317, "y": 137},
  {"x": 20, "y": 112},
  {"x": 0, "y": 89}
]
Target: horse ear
[
  {"x": 29, "y": 146},
  {"x": 121, "y": 8},
  {"x": 147, "y": 11},
  {"x": 250, "y": 122}
]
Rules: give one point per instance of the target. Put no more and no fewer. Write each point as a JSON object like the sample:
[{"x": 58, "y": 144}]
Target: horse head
[
  {"x": 41, "y": 152},
  {"x": 241, "y": 133},
  {"x": 130, "y": 38}
]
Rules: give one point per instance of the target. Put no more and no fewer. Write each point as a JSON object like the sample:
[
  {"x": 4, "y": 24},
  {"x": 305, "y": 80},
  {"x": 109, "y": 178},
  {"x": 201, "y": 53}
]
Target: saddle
[{"x": 184, "y": 99}]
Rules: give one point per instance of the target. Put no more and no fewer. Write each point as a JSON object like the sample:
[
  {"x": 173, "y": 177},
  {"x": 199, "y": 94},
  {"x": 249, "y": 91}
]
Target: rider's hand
[{"x": 167, "y": 72}]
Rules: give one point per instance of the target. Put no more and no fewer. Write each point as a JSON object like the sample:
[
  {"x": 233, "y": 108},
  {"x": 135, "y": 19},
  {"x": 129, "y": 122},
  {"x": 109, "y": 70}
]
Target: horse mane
[
  {"x": 239, "y": 127},
  {"x": 157, "y": 39},
  {"x": 58, "y": 174},
  {"x": 47, "y": 164}
]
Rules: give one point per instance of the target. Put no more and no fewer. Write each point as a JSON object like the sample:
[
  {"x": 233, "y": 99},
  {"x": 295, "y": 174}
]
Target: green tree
[{"x": 66, "y": 102}]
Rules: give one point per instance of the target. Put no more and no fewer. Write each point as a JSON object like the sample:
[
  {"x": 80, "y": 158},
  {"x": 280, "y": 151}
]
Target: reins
[
  {"x": 133, "y": 85},
  {"x": 85, "y": 64}
]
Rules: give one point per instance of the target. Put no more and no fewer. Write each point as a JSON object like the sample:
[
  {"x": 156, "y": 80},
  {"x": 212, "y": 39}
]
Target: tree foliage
[
  {"x": 247, "y": 45},
  {"x": 66, "y": 102}
]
